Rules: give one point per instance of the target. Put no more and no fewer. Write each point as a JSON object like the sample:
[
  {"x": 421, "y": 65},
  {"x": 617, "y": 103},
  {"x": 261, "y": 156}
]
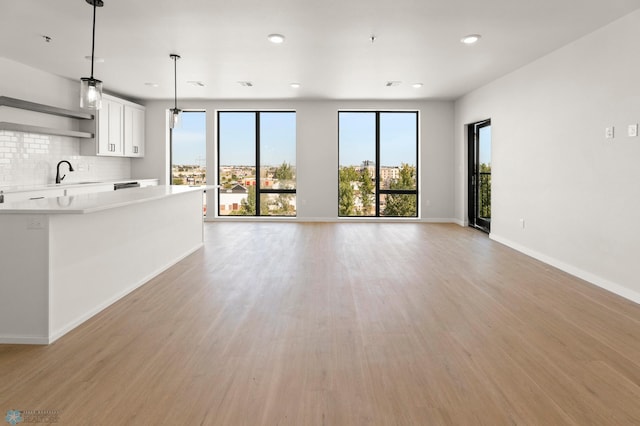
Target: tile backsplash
[{"x": 29, "y": 159}]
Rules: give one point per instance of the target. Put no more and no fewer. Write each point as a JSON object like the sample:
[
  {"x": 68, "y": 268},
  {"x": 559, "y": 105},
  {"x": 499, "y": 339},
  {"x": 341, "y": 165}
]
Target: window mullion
[
  {"x": 258, "y": 164},
  {"x": 377, "y": 163}
]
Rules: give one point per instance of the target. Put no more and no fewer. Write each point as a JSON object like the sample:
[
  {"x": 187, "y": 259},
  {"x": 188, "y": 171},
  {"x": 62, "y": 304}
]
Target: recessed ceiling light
[
  {"x": 95, "y": 59},
  {"x": 196, "y": 83},
  {"x": 276, "y": 38},
  {"x": 152, "y": 84},
  {"x": 470, "y": 39},
  {"x": 245, "y": 83},
  {"x": 295, "y": 85},
  {"x": 417, "y": 85},
  {"x": 392, "y": 83}
]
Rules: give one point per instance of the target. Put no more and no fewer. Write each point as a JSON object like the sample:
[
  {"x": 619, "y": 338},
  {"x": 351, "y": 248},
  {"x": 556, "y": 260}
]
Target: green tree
[
  {"x": 248, "y": 205},
  {"x": 284, "y": 172},
  {"x": 366, "y": 191},
  {"x": 178, "y": 181},
  {"x": 402, "y": 204},
  {"x": 346, "y": 194},
  {"x": 484, "y": 191},
  {"x": 281, "y": 206}
]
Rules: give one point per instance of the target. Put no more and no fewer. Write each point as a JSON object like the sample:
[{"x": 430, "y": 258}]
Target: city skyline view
[{"x": 268, "y": 188}]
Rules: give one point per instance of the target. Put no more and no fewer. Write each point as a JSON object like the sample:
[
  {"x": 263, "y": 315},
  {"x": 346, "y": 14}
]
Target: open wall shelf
[
  {"x": 46, "y": 109},
  {"x": 26, "y": 128}
]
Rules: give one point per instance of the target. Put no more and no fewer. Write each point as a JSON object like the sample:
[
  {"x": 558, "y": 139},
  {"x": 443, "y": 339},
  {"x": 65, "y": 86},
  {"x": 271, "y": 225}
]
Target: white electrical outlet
[
  {"x": 35, "y": 222},
  {"x": 609, "y": 132},
  {"x": 522, "y": 223},
  {"x": 632, "y": 130}
]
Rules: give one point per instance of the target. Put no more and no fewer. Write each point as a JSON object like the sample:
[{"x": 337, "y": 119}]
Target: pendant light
[
  {"x": 91, "y": 88},
  {"x": 175, "y": 112}
]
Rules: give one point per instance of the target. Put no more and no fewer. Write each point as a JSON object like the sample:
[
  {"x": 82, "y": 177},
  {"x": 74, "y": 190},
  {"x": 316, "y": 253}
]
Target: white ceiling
[{"x": 327, "y": 48}]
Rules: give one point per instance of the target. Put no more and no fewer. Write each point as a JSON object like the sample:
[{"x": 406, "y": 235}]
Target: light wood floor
[{"x": 343, "y": 324}]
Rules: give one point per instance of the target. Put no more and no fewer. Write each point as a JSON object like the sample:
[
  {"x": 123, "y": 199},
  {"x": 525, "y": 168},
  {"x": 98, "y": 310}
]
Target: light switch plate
[
  {"x": 633, "y": 130},
  {"x": 609, "y": 132}
]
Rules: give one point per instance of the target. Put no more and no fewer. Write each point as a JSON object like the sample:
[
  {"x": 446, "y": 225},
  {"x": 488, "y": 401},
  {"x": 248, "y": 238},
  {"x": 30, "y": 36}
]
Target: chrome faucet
[{"x": 58, "y": 178}]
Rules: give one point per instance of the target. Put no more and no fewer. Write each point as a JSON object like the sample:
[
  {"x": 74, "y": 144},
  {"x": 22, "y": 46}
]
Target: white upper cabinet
[
  {"x": 133, "y": 131},
  {"x": 118, "y": 129},
  {"x": 109, "y": 118}
]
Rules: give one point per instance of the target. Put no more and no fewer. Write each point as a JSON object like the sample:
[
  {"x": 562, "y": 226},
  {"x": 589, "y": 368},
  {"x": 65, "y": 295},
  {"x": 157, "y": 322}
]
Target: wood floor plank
[{"x": 343, "y": 324}]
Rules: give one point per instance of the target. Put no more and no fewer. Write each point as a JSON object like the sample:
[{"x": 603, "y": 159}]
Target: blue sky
[
  {"x": 189, "y": 139},
  {"x": 277, "y": 138},
  {"x": 485, "y": 145},
  {"x": 357, "y": 133}
]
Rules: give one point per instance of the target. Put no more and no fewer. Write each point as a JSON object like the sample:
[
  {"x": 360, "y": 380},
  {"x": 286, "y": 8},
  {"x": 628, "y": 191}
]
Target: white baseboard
[
  {"x": 56, "y": 334},
  {"x": 22, "y": 340},
  {"x": 445, "y": 220},
  {"x": 337, "y": 219},
  {"x": 573, "y": 270}
]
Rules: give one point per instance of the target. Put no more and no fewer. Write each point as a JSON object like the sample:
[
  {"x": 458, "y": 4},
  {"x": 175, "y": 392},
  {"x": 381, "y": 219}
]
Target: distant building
[
  {"x": 231, "y": 199},
  {"x": 238, "y": 189},
  {"x": 251, "y": 181},
  {"x": 389, "y": 173}
]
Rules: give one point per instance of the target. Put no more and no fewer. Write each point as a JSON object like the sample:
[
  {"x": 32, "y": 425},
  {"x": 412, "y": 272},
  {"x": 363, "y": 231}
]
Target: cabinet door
[
  {"x": 115, "y": 128},
  {"x": 109, "y": 128},
  {"x": 133, "y": 131},
  {"x": 102, "y": 129}
]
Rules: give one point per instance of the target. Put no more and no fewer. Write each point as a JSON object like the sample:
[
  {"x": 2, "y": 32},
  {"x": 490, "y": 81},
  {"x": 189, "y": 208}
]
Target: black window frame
[
  {"x": 259, "y": 190},
  {"x": 378, "y": 191}
]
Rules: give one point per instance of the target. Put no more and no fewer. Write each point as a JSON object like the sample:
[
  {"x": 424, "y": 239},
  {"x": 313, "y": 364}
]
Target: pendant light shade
[
  {"x": 91, "y": 88},
  {"x": 174, "y": 118},
  {"x": 90, "y": 93}
]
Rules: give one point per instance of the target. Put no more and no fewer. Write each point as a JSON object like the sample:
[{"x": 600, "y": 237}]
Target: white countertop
[
  {"x": 94, "y": 202},
  {"x": 67, "y": 184}
]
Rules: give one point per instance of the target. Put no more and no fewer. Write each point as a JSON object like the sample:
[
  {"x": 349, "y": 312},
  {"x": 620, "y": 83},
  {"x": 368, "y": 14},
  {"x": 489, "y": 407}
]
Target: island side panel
[
  {"x": 99, "y": 257},
  {"x": 24, "y": 290}
]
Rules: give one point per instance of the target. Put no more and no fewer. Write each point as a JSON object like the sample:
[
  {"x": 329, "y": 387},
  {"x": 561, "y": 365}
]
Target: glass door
[{"x": 479, "y": 138}]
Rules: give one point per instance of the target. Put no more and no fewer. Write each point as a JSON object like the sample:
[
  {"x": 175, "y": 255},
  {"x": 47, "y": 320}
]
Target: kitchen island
[{"x": 64, "y": 259}]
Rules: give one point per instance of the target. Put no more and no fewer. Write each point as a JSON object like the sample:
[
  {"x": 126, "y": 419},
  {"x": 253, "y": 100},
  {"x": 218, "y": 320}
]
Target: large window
[
  {"x": 378, "y": 163},
  {"x": 189, "y": 151},
  {"x": 257, "y": 163}
]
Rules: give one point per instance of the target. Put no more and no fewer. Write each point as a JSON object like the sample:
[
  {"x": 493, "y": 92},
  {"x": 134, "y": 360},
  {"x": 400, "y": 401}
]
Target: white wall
[
  {"x": 317, "y": 150},
  {"x": 30, "y": 159},
  {"x": 552, "y": 165}
]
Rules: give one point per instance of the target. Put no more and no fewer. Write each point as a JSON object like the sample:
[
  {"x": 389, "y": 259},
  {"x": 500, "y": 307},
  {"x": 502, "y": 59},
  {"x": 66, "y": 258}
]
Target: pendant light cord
[
  {"x": 175, "y": 82},
  {"x": 93, "y": 38}
]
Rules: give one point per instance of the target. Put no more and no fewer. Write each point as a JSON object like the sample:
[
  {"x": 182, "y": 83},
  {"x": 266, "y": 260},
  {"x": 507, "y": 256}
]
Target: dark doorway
[{"x": 479, "y": 139}]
